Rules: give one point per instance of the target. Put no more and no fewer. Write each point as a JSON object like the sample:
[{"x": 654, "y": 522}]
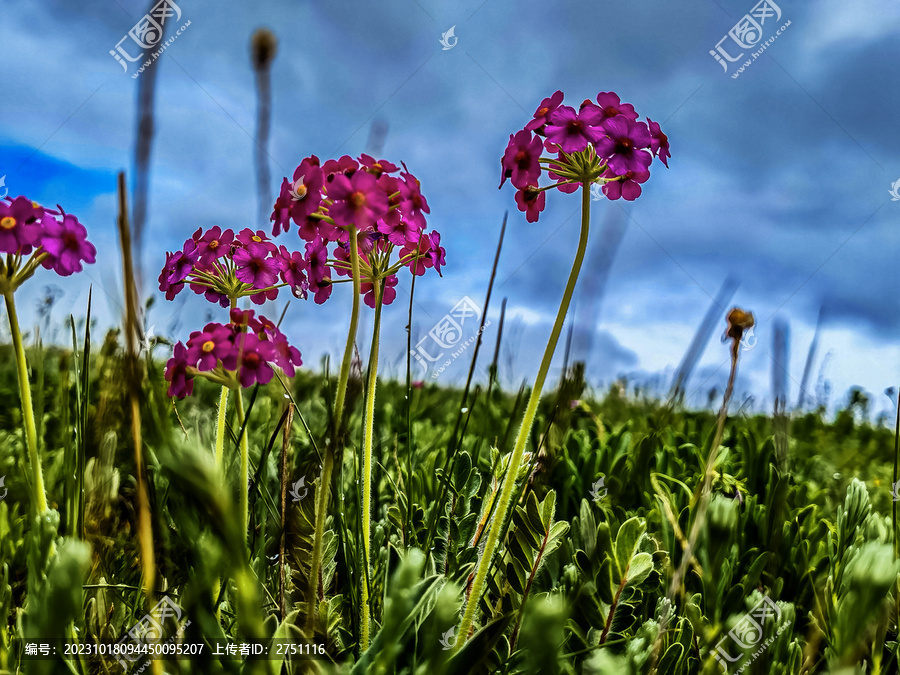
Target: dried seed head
[
  {"x": 263, "y": 46},
  {"x": 738, "y": 321}
]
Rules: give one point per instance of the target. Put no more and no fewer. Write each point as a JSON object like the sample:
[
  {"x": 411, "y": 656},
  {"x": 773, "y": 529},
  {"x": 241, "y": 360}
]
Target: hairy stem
[
  {"x": 328, "y": 459},
  {"x": 515, "y": 462},
  {"x": 366, "y": 521},
  {"x": 39, "y": 497},
  {"x": 220, "y": 427},
  {"x": 245, "y": 467}
]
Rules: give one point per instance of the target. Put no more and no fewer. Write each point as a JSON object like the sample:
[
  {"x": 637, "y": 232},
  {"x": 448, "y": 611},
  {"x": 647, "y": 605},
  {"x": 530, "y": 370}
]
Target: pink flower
[
  {"x": 437, "y": 252},
  {"x": 418, "y": 254},
  {"x": 180, "y": 384},
  {"x": 628, "y": 187},
  {"x": 542, "y": 114},
  {"x": 611, "y": 105},
  {"x": 531, "y": 201},
  {"x": 179, "y": 264},
  {"x": 66, "y": 244},
  {"x": 255, "y": 267},
  {"x": 301, "y": 197},
  {"x": 346, "y": 165},
  {"x": 572, "y": 131},
  {"x": 318, "y": 273},
  {"x": 213, "y": 244},
  {"x": 625, "y": 146},
  {"x": 520, "y": 161},
  {"x": 292, "y": 271},
  {"x": 414, "y": 204},
  {"x": 248, "y": 237},
  {"x": 377, "y": 167},
  {"x": 357, "y": 201},
  {"x": 254, "y": 358},
  {"x": 659, "y": 142},
  {"x": 389, "y": 293},
  {"x": 19, "y": 231},
  {"x": 210, "y": 346}
]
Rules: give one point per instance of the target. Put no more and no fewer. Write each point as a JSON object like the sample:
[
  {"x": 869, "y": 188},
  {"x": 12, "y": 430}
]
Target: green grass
[{"x": 578, "y": 586}]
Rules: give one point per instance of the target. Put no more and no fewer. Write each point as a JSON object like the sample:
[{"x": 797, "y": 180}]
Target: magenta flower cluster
[
  {"x": 619, "y": 148},
  {"x": 325, "y": 200},
  {"x": 58, "y": 240},
  {"x": 224, "y": 266},
  {"x": 242, "y": 352}
]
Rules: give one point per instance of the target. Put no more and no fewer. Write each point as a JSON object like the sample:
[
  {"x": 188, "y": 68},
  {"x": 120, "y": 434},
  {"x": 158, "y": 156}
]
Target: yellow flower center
[
  {"x": 7, "y": 223},
  {"x": 256, "y": 238},
  {"x": 208, "y": 346}
]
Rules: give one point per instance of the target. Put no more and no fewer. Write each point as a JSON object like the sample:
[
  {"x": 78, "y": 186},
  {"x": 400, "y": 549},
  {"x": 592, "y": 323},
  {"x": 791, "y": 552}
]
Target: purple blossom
[
  {"x": 531, "y": 201},
  {"x": 520, "y": 162},
  {"x": 213, "y": 244},
  {"x": 66, "y": 245},
  {"x": 571, "y": 130},
  {"x": 292, "y": 271},
  {"x": 19, "y": 231},
  {"x": 611, "y": 106},
  {"x": 210, "y": 346},
  {"x": 625, "y": 146},
  {"x": 388, "y": 295},
  {"x": 254, "y": 356},
  {"x": 659, "y": 142},
  {"x": 255, "y": 267},
  {"x": 180, "y": 384},
  {"x": 628, "y": 187},
  {"x": 542, "y": 114},
  {"x": 357, "y": 201}
]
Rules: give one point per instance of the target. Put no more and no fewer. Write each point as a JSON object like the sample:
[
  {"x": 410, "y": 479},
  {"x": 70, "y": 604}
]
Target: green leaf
[{"x": 639, "y": 569}]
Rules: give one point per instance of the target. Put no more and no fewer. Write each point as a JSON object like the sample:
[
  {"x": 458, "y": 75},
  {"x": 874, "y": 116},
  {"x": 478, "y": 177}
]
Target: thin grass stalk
[
  {"x": 409, "y": 481},
  {"x": 706, "y": 489},
  {"x": 285, "y": 451},
  {"x": 220, "y": 427},
  {"x": 39, "y": 496},
  {"x": 330, "y": 450},
  {"x": 366, "y": 519},
  {"x": 245, "y": 466},
  {"x": 894, "y": 484},
  {"x": 134, "y": 379},
  {"x": 509, "y": 480}
]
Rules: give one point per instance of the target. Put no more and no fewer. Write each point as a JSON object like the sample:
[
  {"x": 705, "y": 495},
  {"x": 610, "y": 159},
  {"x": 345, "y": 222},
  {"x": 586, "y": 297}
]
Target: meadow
[{"x": 580, "y": 584}]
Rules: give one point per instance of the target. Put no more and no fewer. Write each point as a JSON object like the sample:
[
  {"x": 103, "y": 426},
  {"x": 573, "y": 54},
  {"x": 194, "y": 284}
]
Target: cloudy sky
[{"x": 779, "y": 177}]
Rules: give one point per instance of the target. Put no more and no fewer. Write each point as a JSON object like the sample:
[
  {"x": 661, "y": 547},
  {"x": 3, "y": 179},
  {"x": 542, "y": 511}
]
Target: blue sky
[{"x": 779, "y": 177}]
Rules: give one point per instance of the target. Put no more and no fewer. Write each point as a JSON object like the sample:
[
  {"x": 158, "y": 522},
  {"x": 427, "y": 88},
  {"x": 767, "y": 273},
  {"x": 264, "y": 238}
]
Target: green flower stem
[
  {"x": 328, "y": 459},
  {"x": 31, "y": 441},
  {"x": 484, "y": 562},
  {"x": 220, "y": 427},
  {"x": 245, "y": 466},
  {"x": 366, "y": 522}
]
